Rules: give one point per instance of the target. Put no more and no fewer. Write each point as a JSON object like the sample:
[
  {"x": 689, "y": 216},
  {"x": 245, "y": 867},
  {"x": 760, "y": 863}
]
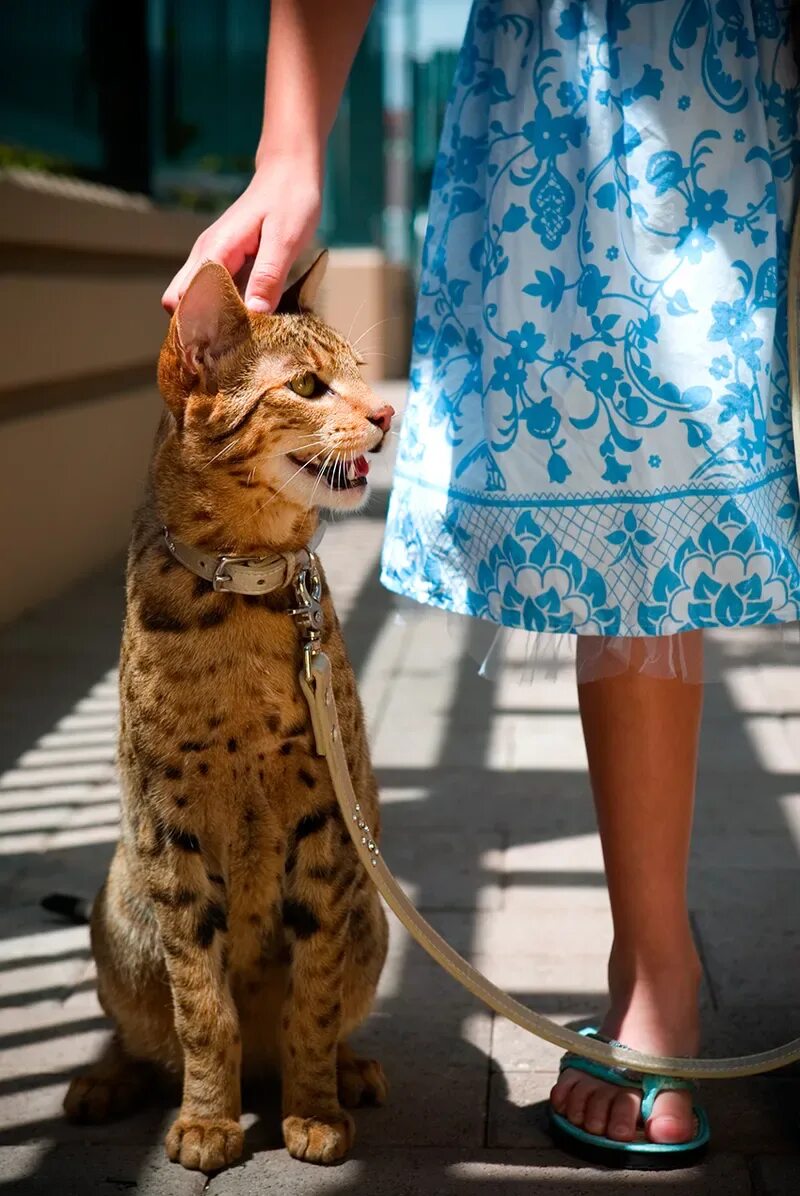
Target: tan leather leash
[{"x": 316, "y": 682}]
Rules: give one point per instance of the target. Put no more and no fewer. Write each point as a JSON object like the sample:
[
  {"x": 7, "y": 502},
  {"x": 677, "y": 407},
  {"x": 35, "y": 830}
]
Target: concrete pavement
[{"x": 488, "y": 823}]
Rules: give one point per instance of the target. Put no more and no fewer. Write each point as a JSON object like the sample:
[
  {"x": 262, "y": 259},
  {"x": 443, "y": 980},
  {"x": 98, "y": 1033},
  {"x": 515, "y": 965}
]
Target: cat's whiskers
[
  {"x": 295, "y": 449},
  {"x": 231, "y": 444},
  {"x": 367, "y": 331},
  {"x": 319, "y": 477},
  {"x": 355, "y": 317},
  {"x": 286, "y": 483}
]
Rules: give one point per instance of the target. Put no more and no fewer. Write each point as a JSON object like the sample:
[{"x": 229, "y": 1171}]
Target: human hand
[{"x": 267, "y": 226}]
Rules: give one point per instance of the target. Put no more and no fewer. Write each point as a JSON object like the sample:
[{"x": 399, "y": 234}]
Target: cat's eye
[{"x": 305, "y": 385}]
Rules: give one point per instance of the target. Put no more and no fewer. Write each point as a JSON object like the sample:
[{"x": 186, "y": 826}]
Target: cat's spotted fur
[{"x": 237, "y": 928}]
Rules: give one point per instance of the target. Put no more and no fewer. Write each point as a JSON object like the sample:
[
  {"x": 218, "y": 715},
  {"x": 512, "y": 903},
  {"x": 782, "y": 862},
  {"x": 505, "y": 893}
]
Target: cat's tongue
[{"x": 361, "y": 467}]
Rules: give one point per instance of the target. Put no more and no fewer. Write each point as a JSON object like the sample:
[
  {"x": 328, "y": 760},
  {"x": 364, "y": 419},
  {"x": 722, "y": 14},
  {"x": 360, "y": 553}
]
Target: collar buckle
[{"x": 221, "y": 578}]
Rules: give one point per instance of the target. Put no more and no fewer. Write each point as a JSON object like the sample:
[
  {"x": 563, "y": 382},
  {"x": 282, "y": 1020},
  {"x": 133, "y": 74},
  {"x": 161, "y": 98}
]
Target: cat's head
[{"x": 270, "y": 411}]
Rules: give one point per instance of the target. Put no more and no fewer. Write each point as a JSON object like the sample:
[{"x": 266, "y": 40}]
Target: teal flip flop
[{"x": 639, "y": 1155}]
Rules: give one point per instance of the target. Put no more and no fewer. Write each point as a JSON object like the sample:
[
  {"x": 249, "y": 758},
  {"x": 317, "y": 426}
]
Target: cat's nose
[{"x": 382, "y": 418}]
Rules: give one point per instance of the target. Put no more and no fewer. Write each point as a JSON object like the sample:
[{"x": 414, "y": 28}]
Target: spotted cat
[{"x": 237, "y": 928}]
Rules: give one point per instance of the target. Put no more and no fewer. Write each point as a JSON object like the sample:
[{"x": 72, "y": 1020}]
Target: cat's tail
[{"x": 73, "y": 909}]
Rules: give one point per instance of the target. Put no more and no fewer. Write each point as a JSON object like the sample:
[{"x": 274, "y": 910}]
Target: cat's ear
[
  {"x": 210, "y": 321},
  {"x": 301, "y": 295}
]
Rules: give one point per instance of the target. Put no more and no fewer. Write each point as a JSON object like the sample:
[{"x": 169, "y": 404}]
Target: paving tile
[
  {"x": 437, "y": 1080},
  {"x": 550, "y": 927},
  {"x": 756, "y": 959},
  {"x": 488, "y": 821},
  {"x": 776, "y": 1176},
  {"x": 482, "y": 1173},
  {"x": 761, "y": 742},
  {"x": 743, "y": 849},
  {"x": 755, "y": 689},
  {"x": 413, "y": 982},
  {"x": 748, "y": 800},
  {"x": 100, "y": 1168},
  {"x": 579, "y": 894},
  {"x": 548, "y": 742},
  {"x": 517, "y": 1103},
  {"x": 516, "y": 1050},
  {"x": 576, "y": 853},
  {"x": 753, "y": 1116},
  {"x": 443, "y": 723},
  {"x": 760, "y": 897},
  {"x": 547, "y": 982},
  {"x": 446, "y": 869},
  {"x": 525, "y": 803}
]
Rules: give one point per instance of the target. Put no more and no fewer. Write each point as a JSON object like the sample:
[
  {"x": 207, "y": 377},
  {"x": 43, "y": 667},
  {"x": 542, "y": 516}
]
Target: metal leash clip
[
  {"x": 309, "y": 613},
  {"x": 315, "y": 676}
]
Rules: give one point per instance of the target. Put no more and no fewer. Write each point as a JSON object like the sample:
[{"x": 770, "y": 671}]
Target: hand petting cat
[
  {"x": 312, "y": 44},
  {"x": 262, "y": 233}
]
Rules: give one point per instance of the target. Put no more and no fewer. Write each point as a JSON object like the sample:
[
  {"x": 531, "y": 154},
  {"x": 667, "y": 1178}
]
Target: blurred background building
[{"x": 124, "y": 128}]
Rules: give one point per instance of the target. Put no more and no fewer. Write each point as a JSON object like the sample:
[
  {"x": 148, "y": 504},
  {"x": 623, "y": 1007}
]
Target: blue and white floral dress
[{"x": 598, "y": 437}]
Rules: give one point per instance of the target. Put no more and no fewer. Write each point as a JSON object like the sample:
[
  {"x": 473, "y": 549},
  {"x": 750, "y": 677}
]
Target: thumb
[{"x": 268, "y": 276}]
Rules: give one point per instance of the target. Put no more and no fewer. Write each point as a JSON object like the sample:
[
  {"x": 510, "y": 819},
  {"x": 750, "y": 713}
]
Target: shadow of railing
[{"x": 424, "y": 1027}]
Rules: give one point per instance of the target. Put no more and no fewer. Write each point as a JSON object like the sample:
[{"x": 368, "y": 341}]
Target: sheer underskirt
[{"x": 695, "y": 657}]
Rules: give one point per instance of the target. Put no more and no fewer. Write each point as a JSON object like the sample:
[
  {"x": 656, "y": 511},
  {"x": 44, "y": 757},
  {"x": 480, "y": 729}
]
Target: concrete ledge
[
  {"x": 69, "y": 482},
  {"x": 44, "y": 211},
  {"x": 82, "y": 270}
]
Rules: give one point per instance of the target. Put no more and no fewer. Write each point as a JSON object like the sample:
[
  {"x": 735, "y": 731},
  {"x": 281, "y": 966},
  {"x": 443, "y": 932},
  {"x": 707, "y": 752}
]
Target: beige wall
[
  {"x": 82, "y": 269},
  {"x": 81, "y": 273},
  {"x": 68, "y": 482},
  {"x": 368, "y": 299}
]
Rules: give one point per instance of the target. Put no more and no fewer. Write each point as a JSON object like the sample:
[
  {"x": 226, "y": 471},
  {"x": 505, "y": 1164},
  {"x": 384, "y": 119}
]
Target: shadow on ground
[{"x": 501, "y": 856}]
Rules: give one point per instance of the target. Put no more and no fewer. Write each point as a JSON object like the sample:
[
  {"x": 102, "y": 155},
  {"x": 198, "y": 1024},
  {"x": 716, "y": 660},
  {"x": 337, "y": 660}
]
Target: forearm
[{"x": 312, "y": 44}]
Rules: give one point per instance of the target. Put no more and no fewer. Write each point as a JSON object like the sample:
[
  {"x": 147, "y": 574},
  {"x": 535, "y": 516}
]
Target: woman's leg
[{"x": 641, "y": 735}]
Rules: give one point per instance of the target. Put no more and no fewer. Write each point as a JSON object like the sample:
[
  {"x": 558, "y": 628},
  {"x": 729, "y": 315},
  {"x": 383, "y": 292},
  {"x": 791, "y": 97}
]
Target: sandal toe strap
[
  {"x": 650, "y": 1086},
  {"x": 653, "y": 1086}
]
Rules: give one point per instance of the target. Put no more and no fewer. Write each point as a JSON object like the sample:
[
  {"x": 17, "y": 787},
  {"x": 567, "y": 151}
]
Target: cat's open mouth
[{"x": 339, "y": 475}]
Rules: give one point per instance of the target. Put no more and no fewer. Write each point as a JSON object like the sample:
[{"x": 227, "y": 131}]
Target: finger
[
  {"x": 270, "y": 271},
  {"x": 230, "y": 248},
  {"x": 172, "y": 295}
]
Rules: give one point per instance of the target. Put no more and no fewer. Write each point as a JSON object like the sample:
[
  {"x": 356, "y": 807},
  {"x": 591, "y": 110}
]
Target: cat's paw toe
[
  {"x": 362, "y": 1082},
  {"x": 319, "y": 1139},
  {"x": 92, "y": 1099},
  {"x": 201, "y": 1145}
]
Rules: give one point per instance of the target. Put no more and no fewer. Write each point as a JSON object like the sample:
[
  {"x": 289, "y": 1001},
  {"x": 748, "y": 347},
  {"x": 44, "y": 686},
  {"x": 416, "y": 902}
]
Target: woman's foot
[{"x": 656, "y": 1011}]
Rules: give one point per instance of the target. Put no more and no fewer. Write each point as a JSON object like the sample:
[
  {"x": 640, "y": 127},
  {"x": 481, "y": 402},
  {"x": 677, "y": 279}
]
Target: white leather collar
[{"x": 231, "y": 574}]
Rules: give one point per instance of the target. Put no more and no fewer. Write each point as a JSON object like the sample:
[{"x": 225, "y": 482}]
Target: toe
[
  {"x": 623, "y": 1116},
  {"x": 672, "y": 1119},
  {"x": 578, "y": 1100},
  {"x": 564, "y": 1085},
  {"x": 595, "y": 1118}
]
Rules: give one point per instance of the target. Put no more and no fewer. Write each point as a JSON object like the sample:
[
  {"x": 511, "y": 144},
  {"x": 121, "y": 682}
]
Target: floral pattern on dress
[{"x": 602, "y": 312}]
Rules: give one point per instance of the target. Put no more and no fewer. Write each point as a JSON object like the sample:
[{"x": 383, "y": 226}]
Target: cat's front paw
[
  {"x": 98, "y": 1096},
  {"x": 319, "y": 1139},
  {"x": 201, "y": 1145},
  {"x": 361, "y": 1082}
]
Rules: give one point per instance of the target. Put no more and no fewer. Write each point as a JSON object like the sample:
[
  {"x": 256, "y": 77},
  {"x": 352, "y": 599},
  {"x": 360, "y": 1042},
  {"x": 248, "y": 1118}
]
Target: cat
[{"x": 237, "y": 928}]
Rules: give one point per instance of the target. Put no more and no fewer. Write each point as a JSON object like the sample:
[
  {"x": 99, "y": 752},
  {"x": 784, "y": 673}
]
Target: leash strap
[
  {"x": 317, "y": 686},
  {"x": 316, "y": 682}
]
